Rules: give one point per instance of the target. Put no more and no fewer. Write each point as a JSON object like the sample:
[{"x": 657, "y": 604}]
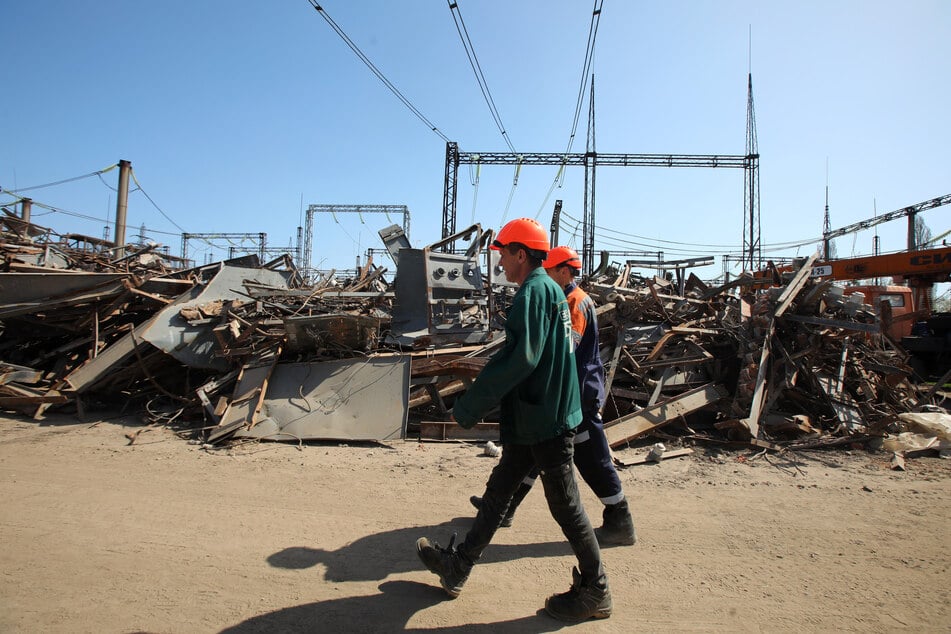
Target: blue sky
[{"x": 237, "y": 114}]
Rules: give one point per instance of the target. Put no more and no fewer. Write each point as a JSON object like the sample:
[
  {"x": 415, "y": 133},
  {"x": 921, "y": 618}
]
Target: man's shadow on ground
[
  {"x": 374, "y": 557},
  {"x": 388, "y": 611}
]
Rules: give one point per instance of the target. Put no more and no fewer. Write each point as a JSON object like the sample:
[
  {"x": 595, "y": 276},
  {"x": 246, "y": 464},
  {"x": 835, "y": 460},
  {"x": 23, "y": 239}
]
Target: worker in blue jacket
[{"x": 534, "y": 382}]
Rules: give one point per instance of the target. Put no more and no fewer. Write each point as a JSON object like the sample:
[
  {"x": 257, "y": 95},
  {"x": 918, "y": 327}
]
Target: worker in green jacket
[{"x": 534, "y": 382}]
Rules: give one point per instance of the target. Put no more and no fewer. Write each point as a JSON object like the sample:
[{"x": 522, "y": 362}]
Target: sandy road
[{"x": 163, "y": 536}]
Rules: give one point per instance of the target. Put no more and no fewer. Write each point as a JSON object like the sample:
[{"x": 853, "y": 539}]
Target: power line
[
  {"x": 777, "y": 245},
  {"x": 586, "y": 68},
  {"x": 144, "y": 193},
  {"x": 477, "y": 69},
  {"x": 589, "y": 54},
  {"x": 65, "y": 180},
  {"x": 376, "y": 71},
  {"x": 66, "y": 212}
]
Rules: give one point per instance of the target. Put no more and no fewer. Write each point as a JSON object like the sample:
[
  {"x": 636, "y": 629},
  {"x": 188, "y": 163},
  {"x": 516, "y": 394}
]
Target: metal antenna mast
[
  {"x": 752, "y": 253},
  {"x": 590, "y": 161}
]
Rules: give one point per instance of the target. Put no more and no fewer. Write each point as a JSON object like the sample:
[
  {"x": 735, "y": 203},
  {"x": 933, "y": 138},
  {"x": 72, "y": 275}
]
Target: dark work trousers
[
  {"x": 553, "y": 459},
  {"x": 593, "y": 459}
]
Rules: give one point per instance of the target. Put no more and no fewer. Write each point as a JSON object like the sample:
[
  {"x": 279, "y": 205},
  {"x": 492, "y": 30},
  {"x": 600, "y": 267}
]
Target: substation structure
[{"x": 590, "y": 159}]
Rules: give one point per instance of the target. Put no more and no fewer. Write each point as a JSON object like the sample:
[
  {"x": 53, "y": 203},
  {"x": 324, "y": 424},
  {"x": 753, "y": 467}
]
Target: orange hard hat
[
  {"x": 562, "y": 255},
  {"x": 524, "y": 231}
]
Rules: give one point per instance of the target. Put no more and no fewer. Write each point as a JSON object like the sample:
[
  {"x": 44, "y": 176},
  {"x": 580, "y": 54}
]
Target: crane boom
[{"x": 934, "y": 264}]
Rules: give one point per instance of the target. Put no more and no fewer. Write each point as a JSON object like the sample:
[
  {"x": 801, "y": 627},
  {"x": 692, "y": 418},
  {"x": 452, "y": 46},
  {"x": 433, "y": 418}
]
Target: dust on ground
[{"x": 100, "y": 535}]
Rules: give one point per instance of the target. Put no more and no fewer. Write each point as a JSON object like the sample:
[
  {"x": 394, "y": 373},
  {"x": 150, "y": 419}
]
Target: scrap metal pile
[{"x": 241, "y": 349}]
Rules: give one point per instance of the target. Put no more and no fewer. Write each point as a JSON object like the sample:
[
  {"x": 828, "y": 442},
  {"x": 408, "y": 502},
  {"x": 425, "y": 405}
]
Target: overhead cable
[
  {"x": 477, "y": 70},
  {"x": 586, "y": 68},
  {"x": 602, "y": 230},
  {"x": 144, "y": 193},
  {"x": 65, "y": 180},
  {"x": 376, "y": 71}
]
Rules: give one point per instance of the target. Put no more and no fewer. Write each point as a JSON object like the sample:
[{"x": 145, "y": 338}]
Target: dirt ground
[{"x": 100, "y": 535}]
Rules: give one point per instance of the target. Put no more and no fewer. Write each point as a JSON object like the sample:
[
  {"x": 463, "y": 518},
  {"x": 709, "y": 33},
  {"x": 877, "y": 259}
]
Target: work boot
[
  {"x": 581, "y": 602},
  {"x": 618, "y": 527},
  {"x": 517, "y": 498},
  {"x": 453, "y": 569}
]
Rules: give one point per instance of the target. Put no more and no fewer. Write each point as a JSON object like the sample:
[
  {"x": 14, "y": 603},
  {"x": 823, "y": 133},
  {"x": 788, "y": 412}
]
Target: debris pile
[
  {"x": 791, "y": 363},
  {"x": 241, "y": 349}
]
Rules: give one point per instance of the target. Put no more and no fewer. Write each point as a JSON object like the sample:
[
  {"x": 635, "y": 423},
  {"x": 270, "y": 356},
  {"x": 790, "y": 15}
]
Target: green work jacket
[{"x": 533, "y": 377}]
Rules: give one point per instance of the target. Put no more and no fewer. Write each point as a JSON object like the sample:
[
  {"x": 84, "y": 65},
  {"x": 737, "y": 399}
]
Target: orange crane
[
  {"x": 906, "y": 309},
  {"x": 925, "y": 267}
]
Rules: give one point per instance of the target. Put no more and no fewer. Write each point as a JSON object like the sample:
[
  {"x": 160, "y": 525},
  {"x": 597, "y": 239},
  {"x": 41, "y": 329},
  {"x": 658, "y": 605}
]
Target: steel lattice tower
[{"x": 752, "y": 253}]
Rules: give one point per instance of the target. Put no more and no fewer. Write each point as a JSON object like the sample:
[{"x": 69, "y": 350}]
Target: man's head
[
  {"x": 522, "y": 245},
  {"x": 562, "y": 265}
]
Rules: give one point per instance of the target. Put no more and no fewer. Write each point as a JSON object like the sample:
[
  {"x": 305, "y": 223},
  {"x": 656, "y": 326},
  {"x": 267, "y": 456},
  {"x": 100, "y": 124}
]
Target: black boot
[
  {"x": 581, "y": 602},
  {"x": 618, "y": 527},
  {"x": 451, "y": 566},
  {"x": 517, "y": 498}
]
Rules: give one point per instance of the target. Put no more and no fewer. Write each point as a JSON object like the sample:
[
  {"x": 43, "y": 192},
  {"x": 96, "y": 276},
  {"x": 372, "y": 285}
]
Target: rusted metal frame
[
  {"x": 10, "y": 373},
  {"x": 95, "y": 336},
  {"x": 775, "y": 387},
  {"x": 248, "y": 395},
  {"x": 100, "y": 291},
  {"x": 656, "y": 296},
  {"x": 785, "y": 300},
  {"x": 115, "y": 305},
  {"x": 835, "y": 323},
  {"x": 843, "y": 361},
  {"x": 453, "y": 387},
  {"x": 367, "y": 280},
  {"x": 667, "y": 336},
  {"x": 675, "y": 361},
  {"x": 82, "y": 378},
  {"x": 50, "y": 398},
  {"x": 208, "y": 405},
  {"x": 152, "y": 296},
  {"x": 459, "y": 366},
  {"x": 622, "y": 278},
  {"x": 660, "y": 345},
  {"x": 445, "y": 431},
  {"x": 612, "y": 365},
  {"x": 756, "y": 408},
  {"x": 282, "y": 307},
  {"x": 59, "y": 350},
  {"x": 630, "y": 357},
  {"x": 148, "y": 375},
  {"x": 643, "y": 421},
  {"x": 666, "y": 376},
  {"x": 795, "y": 286}
]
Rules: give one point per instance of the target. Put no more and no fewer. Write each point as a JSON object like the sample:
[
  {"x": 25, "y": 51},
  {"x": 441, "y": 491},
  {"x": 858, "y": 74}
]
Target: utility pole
[
  {"x": 26, "y": 205},
  {"x": 122, "y": 207}
]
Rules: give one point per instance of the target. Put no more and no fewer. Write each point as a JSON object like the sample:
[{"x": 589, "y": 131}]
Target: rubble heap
[{"x": 244, "y": 349}]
